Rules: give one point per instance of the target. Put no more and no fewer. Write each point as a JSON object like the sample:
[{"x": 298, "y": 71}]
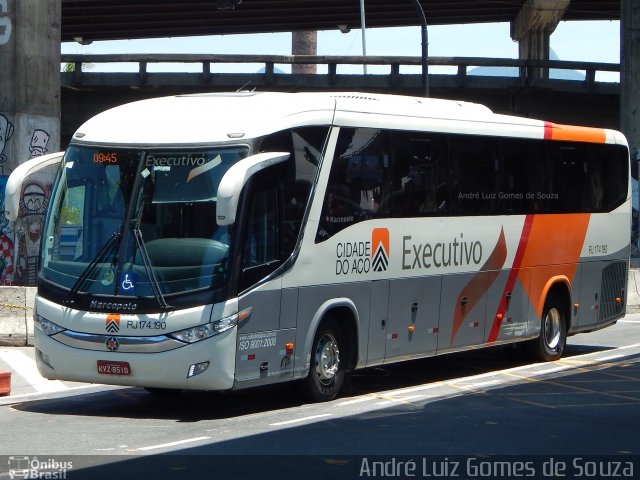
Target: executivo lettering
[
  {"x": 425, "y": 255},
  {"x": 178, "y": 160}
]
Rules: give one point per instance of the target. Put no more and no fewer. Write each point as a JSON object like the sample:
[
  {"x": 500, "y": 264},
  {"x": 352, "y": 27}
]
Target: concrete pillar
[
  {"x": 630, "y": 96},
  {"x": 304, "y": 43},
  {"x": 532, "y": 28},
  {"x": 29, "y": 114}
]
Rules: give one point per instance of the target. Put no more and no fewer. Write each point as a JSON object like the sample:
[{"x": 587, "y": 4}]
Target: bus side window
[
  {"x": 358, "y": 183},
  {"x": 72, "y": 224},
  {"x": 567, "y": 176},
  {"x": 614, "y": 166},
  {"x": 475, "y": 174},
  {"x": 420, "y": 174},
  {"x": 298, "y": 174},
  {"x": 261, "y": 248},
  {"x": 523, "y": 176}
]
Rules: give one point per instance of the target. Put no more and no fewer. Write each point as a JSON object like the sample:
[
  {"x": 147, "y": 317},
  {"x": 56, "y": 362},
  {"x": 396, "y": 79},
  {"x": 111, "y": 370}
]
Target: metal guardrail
[{"x": 529, "y": 71}]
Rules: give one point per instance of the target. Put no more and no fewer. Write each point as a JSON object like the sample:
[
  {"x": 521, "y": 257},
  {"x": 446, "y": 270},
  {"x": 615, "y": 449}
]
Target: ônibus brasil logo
[{"x": 363, "y": 257}]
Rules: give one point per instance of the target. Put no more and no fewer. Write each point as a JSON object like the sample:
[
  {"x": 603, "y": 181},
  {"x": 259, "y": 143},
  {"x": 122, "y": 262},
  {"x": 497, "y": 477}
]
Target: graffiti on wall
[
  {"x": 6, "y": 242},
  {"x": 39, "y": 142},
  {"x": 28, "y": 228},
  {"x": 20, "y": 241},
  {"x": 5, "y": 23},
  {"x": 6, "y": 132},
  {"x": 22, "y": 137}
]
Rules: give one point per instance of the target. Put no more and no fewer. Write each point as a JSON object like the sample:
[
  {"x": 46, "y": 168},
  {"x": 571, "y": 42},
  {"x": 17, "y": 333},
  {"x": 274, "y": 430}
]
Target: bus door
[
  {"x": 413, "y": 317},
  {"x": 262, "y": 354},
  {"x": 463, "y": 311}
]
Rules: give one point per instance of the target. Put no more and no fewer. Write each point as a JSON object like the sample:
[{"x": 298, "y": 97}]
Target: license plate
[{"x": 106, "y": 367}]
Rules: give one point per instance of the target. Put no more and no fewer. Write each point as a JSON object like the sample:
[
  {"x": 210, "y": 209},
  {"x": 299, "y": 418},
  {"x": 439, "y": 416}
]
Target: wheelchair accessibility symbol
[{"x": 128, "y": 282}]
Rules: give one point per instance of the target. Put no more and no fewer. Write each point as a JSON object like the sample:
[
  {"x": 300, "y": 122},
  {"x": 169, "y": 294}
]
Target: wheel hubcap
[
  {"x": 327, "y": 358},
  {"x": 552, "y": 329}
]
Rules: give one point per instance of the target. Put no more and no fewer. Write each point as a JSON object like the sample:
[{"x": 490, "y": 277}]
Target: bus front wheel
[
  {"x": 327, "y": 368},
  {"x": 549, "y": 346}
]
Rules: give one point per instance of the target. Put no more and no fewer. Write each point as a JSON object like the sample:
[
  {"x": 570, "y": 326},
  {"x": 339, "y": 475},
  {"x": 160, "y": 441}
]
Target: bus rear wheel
[
  {"x": 549, "y": 346},
  {"x": 327, "y": 369}
]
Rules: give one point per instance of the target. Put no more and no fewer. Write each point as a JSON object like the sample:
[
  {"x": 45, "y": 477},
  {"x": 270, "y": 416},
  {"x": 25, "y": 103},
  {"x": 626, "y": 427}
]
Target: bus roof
[{"x": 231, "y": 117}]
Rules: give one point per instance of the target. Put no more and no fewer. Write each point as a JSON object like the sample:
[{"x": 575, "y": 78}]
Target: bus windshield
[{"x": 138, "y": 223}]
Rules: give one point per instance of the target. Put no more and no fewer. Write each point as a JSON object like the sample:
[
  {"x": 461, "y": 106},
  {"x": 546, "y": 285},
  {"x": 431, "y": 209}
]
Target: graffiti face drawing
[
  {"x": 34, "y": 200},
  {"x": 6, "y": 241},
  {"x": 39, "y": 142},
  {"x": 6, "y": 132}
]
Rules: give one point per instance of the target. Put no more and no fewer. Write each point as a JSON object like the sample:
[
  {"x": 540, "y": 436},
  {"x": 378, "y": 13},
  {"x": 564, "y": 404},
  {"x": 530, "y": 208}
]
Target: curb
[
  {"x": 5, "y": 383},
  {"x": 16, "y": 316}
]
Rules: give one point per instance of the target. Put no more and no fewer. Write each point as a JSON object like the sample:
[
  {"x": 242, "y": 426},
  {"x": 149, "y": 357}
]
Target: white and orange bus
[{"x": 222, "y": 241}]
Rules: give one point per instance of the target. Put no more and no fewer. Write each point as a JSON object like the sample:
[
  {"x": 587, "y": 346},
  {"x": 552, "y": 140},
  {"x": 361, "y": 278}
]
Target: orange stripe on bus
[
  {"x": 480, "y": 283},
  {"x": 554, "y": 247},
  {"x": 555, "y": 131},
  {"x": 511, "y": 281}
]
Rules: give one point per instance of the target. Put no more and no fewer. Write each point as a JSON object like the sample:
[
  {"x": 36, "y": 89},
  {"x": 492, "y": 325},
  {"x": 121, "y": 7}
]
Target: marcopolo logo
[
  {"x": 363, "y": 257},
  {"x": 112, "y": 305}
]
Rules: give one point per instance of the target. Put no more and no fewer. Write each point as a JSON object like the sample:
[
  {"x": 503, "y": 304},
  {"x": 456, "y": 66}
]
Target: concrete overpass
[
  {"x": 91, "y": 20},
  {"x": 512, "y": 86}
]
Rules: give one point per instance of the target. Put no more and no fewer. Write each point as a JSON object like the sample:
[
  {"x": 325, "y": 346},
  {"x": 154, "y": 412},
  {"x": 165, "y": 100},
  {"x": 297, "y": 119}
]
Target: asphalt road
[{"x": 456, "y": 416}]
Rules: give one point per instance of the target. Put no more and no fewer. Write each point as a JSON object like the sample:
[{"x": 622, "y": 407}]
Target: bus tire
[
  {"x": 327, "y": 367},
  {"x": 549, "y": 346}
]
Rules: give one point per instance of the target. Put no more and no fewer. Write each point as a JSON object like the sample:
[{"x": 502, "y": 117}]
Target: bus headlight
[
  {"x": 45, "y": 326},
  {"x": 202, "y": 332},
  {"x": 195, "y": 334}
]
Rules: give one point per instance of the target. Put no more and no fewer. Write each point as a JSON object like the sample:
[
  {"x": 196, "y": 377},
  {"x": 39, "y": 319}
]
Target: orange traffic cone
[{"x": 5, "y": 383}]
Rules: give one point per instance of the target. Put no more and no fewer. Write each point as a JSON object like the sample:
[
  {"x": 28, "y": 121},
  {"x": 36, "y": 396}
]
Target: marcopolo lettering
[
  {"x": 426, "y": 255},
  {"x": 177, "y": 160},
  {"x": 113, "y": 306}
]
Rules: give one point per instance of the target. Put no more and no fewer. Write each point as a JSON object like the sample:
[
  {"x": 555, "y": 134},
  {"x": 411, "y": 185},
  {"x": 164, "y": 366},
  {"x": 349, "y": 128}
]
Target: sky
[{"x": 596, "y": 41}]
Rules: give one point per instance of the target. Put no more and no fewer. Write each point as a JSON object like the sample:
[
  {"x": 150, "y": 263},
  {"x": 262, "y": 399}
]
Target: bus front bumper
[{"x": 173, "y": 368}]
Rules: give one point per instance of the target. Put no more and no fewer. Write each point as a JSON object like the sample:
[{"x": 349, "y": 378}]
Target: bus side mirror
[
  {"x": 235, "y": 179},
  {"x": 17, "y": 178}
]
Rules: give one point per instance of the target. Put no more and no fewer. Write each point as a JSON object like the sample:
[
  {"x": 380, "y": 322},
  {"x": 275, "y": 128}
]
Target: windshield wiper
[
  {"x": 99, "y": 258},
  {"x": 155, "y": 285}
]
